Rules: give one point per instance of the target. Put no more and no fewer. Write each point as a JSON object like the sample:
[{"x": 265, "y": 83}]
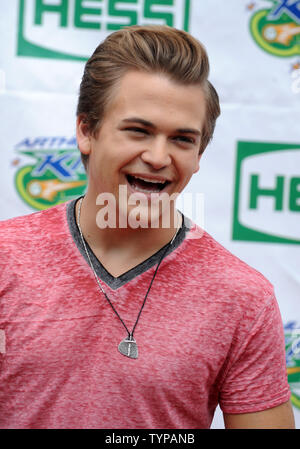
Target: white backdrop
[{"x": 250, "y": 173}]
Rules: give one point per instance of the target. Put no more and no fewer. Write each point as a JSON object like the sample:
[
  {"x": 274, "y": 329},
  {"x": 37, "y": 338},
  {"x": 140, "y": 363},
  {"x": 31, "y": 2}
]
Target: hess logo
[
  {"x": 48, "y": 29},
  {"x": 267, "y": 193}
]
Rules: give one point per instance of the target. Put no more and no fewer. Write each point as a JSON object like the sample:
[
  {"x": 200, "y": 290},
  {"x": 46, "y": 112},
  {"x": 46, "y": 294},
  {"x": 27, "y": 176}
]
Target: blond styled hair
[{"x": 150, "y": 49}]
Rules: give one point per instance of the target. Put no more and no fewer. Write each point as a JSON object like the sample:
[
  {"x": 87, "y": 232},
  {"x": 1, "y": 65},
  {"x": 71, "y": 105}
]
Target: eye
[
  {"x": 137, "y": 130},
  {"x": 185, "y": 140}
]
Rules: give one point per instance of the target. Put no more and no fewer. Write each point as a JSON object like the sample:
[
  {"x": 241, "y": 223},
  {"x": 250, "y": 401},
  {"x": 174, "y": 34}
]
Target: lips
[{"x": 147, "y": 184}]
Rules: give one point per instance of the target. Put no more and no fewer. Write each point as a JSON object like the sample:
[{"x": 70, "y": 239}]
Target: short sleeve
[{"x": 256, "y": 378}]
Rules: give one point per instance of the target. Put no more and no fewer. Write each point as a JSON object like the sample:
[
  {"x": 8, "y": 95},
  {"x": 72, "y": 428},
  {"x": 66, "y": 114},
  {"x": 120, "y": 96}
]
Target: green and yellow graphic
[
  {"x": 292, "y": 348},
  {"x": 54, "y": 176},
  {"x": 277, "y": 29}
]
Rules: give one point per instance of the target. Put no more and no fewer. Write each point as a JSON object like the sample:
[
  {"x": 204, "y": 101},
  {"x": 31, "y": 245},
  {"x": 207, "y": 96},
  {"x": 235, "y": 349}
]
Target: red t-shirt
[{"x": 210, "y": 333}]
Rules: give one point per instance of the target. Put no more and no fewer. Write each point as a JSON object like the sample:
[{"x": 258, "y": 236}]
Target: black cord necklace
[{"x": 128, "y": 345}]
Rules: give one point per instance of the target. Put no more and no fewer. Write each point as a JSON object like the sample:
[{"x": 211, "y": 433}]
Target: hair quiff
[{"x": 152, "y": 49}]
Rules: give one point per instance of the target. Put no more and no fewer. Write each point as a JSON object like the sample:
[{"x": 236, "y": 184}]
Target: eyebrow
[{"x": 151, "y": 125}]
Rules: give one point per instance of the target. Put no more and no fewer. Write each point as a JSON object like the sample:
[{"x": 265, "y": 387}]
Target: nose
[{"x": 157, "y": 153}]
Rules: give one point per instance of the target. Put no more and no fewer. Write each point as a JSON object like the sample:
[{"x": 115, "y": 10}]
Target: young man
[{"x": 126, "y": 326}]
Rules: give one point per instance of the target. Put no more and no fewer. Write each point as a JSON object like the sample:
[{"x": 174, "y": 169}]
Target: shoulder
[
  {"x": 18, "y": 232},
  {"x": 222, "y": 272},
  {"x": 32, "y": 220}
]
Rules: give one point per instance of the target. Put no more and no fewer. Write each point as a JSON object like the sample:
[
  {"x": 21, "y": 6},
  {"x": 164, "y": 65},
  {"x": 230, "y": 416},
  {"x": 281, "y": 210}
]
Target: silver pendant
[{"x": 129, "y": 347}]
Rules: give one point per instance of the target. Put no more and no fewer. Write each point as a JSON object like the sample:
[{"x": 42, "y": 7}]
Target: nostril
[{"x": 156, "y": 156}]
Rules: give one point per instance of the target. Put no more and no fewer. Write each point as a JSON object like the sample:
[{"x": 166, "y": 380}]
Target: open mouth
[{"x": 146, "y": 186}]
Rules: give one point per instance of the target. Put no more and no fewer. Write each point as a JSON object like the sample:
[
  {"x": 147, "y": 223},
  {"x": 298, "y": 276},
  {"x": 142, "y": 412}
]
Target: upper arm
[
  {"x": 280, "y": 417},
  {"x": 257, "y": 377}
]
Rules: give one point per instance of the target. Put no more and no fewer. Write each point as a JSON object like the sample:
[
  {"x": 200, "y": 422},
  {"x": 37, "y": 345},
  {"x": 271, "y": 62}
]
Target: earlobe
[
  {"x": 197, "y": 165},
  {"x": 83, "y": 135}
]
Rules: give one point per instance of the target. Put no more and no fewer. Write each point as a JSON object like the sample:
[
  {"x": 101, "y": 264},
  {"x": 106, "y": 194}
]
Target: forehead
[{"x": 156, "y": 98}]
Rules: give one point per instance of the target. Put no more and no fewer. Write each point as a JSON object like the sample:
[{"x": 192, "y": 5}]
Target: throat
[
  {"x": 120, "y": 262},
  {"x": 120, "y": 258}
]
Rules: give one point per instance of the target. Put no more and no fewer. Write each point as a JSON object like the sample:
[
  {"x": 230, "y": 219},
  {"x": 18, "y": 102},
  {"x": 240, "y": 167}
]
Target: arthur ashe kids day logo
[
  {"x": 48, "y": 29},
  {"x": 292, "y": 348},
  {"x": 48, "y": 171},
  {"x": 277, "y": 29},
  {"x": 267, "y": 193}
]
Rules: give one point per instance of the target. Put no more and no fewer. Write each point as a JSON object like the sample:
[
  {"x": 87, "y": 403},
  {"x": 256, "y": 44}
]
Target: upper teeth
[{"x": 149, "y": 180}]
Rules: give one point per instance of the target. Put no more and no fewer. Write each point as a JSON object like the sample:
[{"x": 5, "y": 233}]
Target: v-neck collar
[{"x": 117, "y": 282}]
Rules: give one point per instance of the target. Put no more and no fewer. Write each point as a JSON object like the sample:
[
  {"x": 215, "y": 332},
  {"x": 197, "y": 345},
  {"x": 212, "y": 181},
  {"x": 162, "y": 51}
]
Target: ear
[{"x": 83, "y": 135}]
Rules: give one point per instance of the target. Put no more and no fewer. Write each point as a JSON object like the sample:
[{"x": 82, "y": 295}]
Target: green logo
[
  {"x": 277, "y": 29},
  {"x": 48, "y": 30},
  {"x": 267, "y": 193},
  {"x": 292, "y": 349},
  {"x": 49, "y": 171}
]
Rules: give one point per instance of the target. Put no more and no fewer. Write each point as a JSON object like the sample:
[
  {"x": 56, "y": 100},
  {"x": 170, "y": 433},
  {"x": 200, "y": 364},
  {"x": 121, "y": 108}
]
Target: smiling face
[{"x": 149, "y": 137}]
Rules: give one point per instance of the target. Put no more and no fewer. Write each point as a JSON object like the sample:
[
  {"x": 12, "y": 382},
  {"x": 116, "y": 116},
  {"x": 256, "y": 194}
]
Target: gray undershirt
[{"x": 102, "y": 273}]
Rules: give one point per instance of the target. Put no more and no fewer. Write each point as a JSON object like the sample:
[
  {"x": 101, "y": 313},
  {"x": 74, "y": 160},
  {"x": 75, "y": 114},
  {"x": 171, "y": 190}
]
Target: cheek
[
  {"x": 109, "y": 158},
  {"x": 188, "y": 166}
]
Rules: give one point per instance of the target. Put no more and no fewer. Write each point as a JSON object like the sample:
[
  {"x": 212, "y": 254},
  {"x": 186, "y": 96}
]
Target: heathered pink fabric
[{"x": 210, "y": 333}]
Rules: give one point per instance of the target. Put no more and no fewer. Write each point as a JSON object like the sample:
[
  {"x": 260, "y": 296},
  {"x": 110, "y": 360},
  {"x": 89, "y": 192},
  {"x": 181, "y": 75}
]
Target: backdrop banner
[{"x": 249, "y": 178}]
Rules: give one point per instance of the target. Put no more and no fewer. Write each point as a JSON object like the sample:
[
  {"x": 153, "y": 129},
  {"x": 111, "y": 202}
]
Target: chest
[{"x": 63, "y": 352}]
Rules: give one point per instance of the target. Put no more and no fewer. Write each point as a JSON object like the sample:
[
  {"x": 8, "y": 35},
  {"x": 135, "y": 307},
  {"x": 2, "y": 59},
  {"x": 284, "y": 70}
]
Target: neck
[{"x": 128, "y": 240}]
